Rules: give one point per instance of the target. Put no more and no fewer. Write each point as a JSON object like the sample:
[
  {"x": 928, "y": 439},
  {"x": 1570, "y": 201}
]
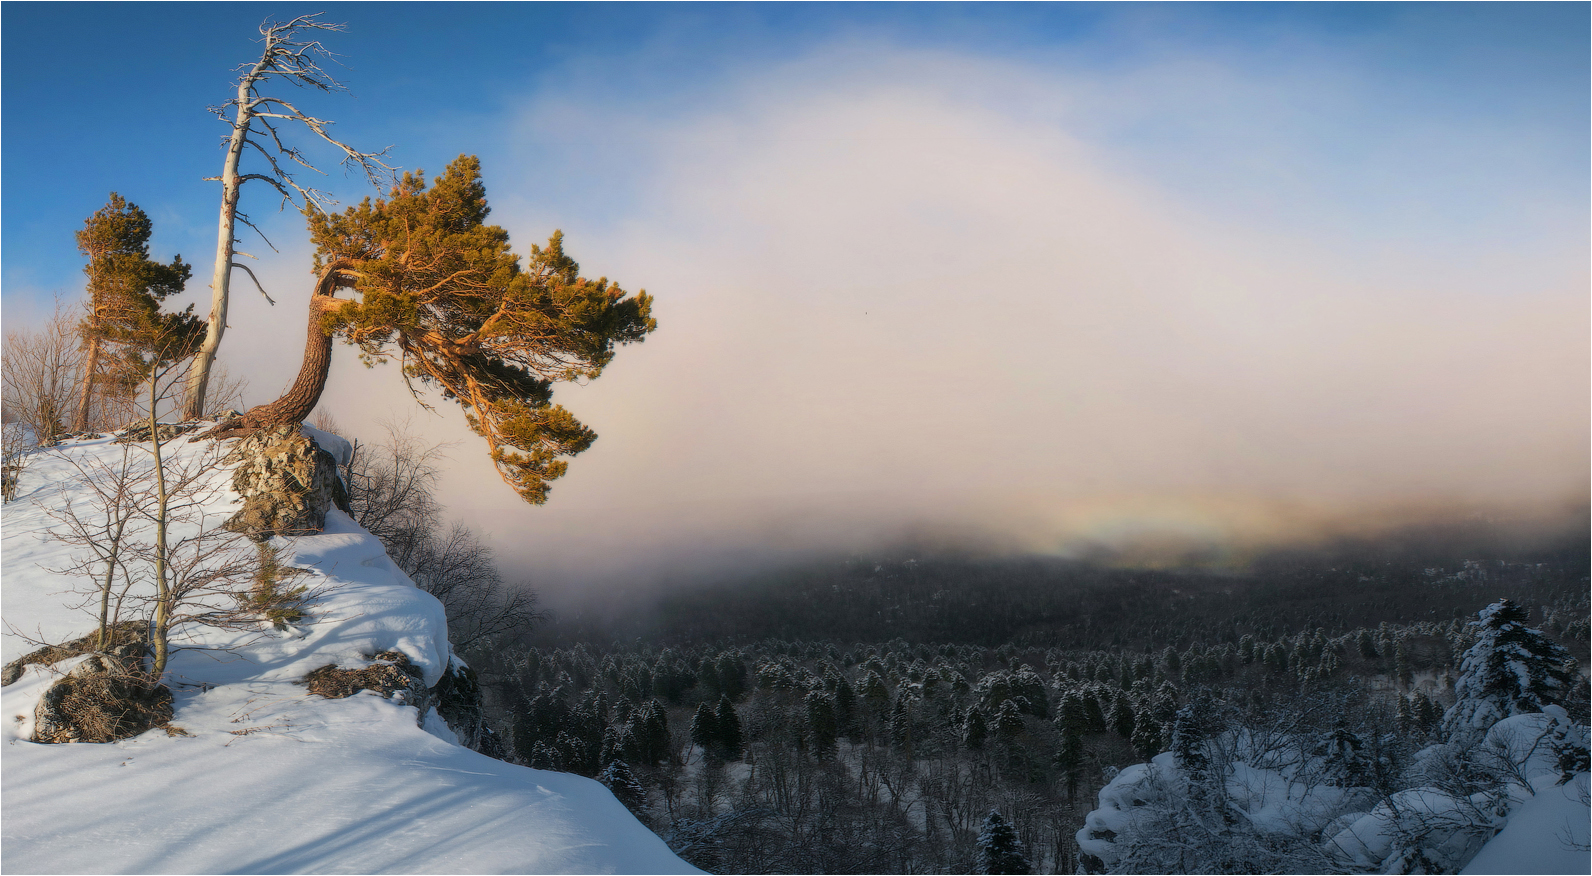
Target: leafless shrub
[
  {"x": 39, "y": 372},
  {"x": 390, "y": 489}
]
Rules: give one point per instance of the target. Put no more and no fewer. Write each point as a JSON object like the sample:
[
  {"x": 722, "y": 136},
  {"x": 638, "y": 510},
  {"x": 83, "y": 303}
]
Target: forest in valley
[{"x": 958, "y": 714}]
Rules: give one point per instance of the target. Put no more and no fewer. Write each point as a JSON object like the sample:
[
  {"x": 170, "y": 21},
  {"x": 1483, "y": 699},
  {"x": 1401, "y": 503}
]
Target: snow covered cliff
[{"x": 255, "y": 774}]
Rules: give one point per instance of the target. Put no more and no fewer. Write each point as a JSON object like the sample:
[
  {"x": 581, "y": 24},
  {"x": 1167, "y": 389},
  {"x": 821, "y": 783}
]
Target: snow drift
[{"x": 256, "y": 775}]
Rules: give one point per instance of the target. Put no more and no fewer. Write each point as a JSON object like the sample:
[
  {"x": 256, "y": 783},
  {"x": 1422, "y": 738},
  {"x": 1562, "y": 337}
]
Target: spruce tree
[
  {"x": 705, "y": 729},
  {"x": 975, "y": 728},
  {"x": 1008, "y": 722},
  {"x": 999, "y": 849},
  {"x": 1512, "y": 669},
  {"x": 1188, "y": 742},
  {"x": 1146, "y": 734},
  {"x": 1122, "y": 718},
  {"x": 821, "y": 722}
]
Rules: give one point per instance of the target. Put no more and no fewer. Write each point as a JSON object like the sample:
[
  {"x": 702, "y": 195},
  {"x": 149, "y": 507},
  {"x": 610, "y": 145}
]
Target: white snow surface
[{"x": 272, "y": 779}]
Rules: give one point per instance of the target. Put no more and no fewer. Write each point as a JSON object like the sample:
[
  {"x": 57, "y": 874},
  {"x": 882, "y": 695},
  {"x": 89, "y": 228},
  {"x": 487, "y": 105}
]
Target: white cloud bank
[{"x": 899, "y": 293}]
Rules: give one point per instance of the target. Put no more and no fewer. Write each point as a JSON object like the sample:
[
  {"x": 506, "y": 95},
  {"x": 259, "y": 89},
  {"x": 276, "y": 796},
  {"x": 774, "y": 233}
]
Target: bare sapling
[
  {"x": 15, "y": 448},
  {"x": 97, "y": 505}
]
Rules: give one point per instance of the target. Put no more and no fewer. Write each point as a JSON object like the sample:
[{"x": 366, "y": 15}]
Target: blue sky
[
  {"x": 120, "y": 105},
  {"x": 1056, "y": 272}
]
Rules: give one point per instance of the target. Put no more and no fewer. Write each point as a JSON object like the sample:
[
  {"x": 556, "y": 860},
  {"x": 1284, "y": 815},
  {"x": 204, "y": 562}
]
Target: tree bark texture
[{"x": 300, "y": 399}]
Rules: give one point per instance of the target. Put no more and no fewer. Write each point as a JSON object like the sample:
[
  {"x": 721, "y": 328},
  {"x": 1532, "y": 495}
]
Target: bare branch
[{"x": 256, "y": 281}]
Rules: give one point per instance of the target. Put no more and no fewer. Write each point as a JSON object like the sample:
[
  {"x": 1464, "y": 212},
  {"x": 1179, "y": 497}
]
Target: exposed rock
[
  {"x": 287, "y": 482},
  {"x": 458, "y": 699},
  {"x": 389, "y": 674},
  {"x": 140, "y": 433},
  {"x": 128, "y": 639},
  {"x": 104, "y": 698}
]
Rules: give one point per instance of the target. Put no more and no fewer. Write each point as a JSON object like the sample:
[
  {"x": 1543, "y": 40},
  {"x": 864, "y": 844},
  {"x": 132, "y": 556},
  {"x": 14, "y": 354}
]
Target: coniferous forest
[{"x": 956, "y": 714}]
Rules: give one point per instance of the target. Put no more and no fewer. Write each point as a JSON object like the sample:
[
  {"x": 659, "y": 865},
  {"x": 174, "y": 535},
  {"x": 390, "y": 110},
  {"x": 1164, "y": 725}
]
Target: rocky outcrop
[
  {"x": 457, "y": 696},
  {"x": 139, "y": 433},
  {"x": 104, "y": 698},
  {"x": 287, "y": 483},
  {"x": 390, "y": 674}
]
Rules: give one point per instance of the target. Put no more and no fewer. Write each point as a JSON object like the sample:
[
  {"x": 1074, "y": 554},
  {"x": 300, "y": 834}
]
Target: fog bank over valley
[{"x": 911, "y": 297}]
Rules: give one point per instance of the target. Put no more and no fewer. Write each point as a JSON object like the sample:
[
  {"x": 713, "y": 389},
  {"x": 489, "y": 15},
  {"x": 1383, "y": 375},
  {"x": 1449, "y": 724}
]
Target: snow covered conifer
[
  {"x": 999, "y": 849},
  {"x": 618, "y": 778},
  {"x": 1188, "y": 742},
  {"x": 1008, "y": 721},
  {"x": 1122, "y": 717},
  {"x": 1510, "y": 670},
  {"x": 821, "y": 721},
  {"x": 1146, "y": 734}
]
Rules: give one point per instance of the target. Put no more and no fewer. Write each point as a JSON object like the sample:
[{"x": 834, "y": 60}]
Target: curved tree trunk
[{"x": 300, "y": 399}]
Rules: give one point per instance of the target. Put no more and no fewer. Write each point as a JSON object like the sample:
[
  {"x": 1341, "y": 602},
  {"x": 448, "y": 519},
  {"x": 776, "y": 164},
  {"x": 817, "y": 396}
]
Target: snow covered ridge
[{"x": 255, "y": 774}]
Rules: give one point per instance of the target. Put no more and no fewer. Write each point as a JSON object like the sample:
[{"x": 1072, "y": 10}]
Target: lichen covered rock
[
  {"x": 390, "y": 674},
  {"x": 287, "y": 483}
]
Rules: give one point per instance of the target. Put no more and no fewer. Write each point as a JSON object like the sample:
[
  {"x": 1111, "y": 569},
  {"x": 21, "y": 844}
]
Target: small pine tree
[
  {"x": 125, "y": 290},
  {"x": 999, "y": 849},
  {"x": 1188, "y": 742}
]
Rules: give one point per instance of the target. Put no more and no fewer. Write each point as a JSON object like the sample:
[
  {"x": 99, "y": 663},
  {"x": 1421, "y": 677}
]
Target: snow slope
[{"x": 271, "y": 779}]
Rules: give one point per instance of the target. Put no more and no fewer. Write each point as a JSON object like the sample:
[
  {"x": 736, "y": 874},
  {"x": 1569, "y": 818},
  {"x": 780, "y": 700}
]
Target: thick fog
[{"x": 950, "y": 300}]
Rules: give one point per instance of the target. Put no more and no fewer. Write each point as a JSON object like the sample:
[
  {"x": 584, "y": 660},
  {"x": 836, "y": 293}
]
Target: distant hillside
[{"x": 1415, "y": 575}]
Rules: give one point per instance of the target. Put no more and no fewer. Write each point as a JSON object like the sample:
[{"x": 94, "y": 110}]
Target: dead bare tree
[{"x": 291, "y": 56}]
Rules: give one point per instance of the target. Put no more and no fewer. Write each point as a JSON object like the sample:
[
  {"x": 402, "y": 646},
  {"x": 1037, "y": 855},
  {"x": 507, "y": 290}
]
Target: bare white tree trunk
[
  {"x": 226, "y": 237},
  {"x": 290, "y": 54}
]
